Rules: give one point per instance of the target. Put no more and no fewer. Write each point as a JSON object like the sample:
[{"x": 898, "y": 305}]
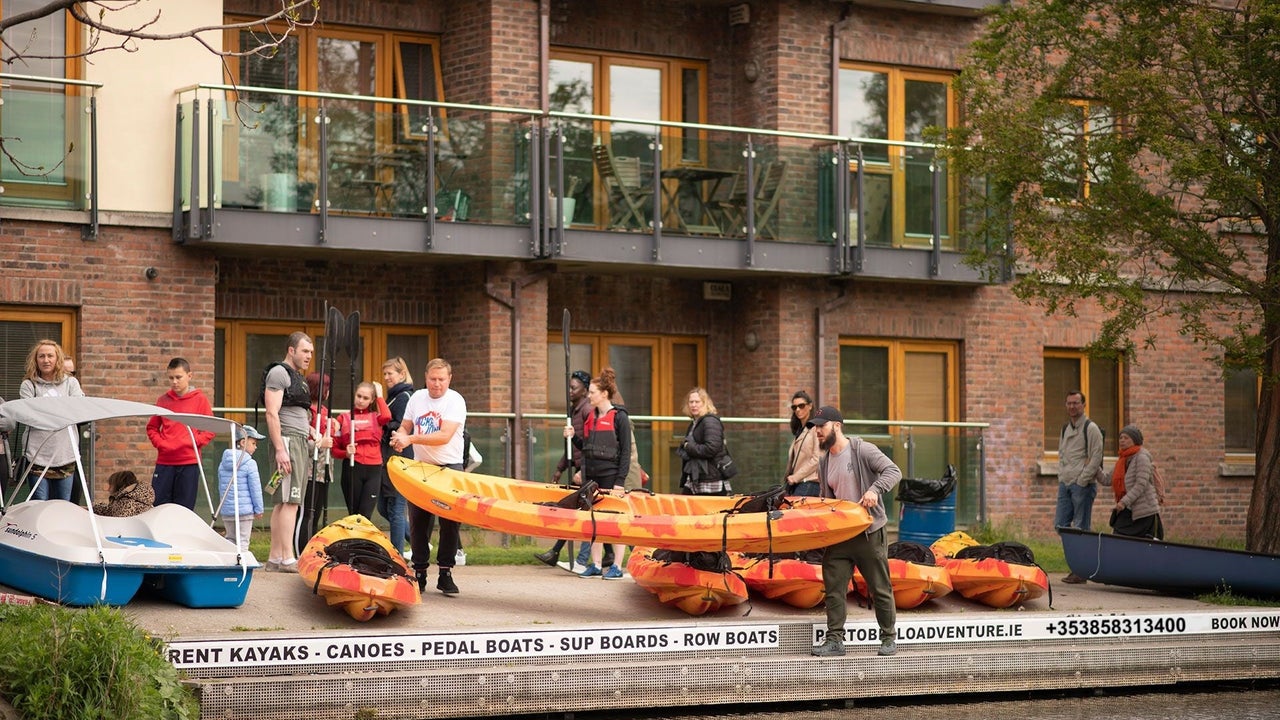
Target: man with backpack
[
  {"x": 287, "y": 400},
  {"x": 849, "y": 468},
  {"x": 1079, "y": 460}
]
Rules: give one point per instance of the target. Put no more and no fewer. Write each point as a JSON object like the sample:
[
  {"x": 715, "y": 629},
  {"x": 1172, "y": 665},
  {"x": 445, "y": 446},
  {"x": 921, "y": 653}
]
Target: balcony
[
  {"x": 320, "y": 173},
  {"x": 50, "y": 155}
]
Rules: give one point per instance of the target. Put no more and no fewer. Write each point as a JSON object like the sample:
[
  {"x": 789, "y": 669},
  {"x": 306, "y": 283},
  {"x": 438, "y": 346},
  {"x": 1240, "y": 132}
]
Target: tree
[
  {"x": 1131, "y": 151},
  {"x": 20, "y": 46}
]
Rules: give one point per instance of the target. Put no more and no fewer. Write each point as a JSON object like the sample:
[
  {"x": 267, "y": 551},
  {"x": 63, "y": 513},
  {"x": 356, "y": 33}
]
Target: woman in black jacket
[{"x": 703, "y": 447}]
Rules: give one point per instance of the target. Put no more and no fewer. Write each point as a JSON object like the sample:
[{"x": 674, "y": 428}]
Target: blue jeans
[
  {"x": 1075, "y": 506},
  {"x": 55, "y": 489},
  {"x": 392, "y": 507}
]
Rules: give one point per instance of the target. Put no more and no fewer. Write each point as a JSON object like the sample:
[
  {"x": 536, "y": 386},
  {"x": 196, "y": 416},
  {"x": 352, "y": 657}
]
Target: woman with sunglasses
[{"x": 802, "y": 460}]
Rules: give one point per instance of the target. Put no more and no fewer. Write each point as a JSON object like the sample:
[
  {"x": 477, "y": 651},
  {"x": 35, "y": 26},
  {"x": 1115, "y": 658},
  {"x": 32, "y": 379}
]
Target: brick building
[{"x": 435, "y": 211}]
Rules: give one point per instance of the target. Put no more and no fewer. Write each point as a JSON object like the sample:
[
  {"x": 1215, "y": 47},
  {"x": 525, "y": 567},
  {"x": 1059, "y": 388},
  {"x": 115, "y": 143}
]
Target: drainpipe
[{"x": 511, "y": 301}]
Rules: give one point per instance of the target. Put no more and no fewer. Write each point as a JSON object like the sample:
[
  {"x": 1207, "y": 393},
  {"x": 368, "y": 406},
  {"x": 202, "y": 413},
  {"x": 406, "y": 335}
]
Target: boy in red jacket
[{"x": 177, "y": 473}]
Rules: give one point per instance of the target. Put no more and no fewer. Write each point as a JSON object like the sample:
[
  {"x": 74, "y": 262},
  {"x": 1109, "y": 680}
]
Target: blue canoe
[{"x": 1169, "y": 567}]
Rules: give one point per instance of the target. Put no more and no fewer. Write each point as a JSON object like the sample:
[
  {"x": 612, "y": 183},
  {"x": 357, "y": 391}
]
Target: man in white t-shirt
[{"x": 433, "y": 422}]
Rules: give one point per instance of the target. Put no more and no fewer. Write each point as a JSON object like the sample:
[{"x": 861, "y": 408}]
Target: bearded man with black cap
[{"x": 852, "y": 469}]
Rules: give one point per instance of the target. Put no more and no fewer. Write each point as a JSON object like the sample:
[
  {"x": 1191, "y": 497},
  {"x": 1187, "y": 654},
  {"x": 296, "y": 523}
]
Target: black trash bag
[
  {"x": 710, "y": 561},
  {"x": 1008, "y": 551},
  {"x": 925, "y": 490},
  {"x": 911, "y": 552}
]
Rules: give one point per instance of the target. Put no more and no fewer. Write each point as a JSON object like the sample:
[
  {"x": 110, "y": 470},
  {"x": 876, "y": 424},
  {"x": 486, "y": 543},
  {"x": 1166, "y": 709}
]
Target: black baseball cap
[{"x": 825, "y": 414}]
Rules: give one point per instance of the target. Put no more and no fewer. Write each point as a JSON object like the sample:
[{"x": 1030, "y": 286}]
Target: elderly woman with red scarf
[{"x": 1137, "y": 509}]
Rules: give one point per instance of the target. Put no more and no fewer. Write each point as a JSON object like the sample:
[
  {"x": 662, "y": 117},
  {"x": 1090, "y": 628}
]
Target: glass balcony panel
[
  {"x": 46, "y": 162},
  {"x": 264, "y": 164}
]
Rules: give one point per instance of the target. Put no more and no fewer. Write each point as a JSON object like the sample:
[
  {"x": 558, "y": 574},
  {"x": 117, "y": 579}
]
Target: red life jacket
[{"x": 600, "y": 436}]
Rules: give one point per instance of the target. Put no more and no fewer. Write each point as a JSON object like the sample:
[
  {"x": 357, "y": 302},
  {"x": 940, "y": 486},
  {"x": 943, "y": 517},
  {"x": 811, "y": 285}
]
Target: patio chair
[
  {"x": 628, "y": 196},
  {"x": 768, "y": 192}
]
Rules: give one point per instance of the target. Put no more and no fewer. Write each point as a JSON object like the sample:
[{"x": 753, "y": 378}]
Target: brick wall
[{"x": 128, "y": 326}]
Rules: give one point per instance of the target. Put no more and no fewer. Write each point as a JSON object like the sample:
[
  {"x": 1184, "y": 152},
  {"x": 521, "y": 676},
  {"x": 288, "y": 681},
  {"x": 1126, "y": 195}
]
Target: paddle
[
  {"x": 568, "y": 413},
  {"x": 353, "y": 348}
]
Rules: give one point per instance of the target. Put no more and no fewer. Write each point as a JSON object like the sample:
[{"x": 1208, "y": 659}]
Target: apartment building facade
[{"x": 735, "y": 195}]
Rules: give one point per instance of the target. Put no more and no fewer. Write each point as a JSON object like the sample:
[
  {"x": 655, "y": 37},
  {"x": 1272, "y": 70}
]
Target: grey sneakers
[
  {"x": 887, "y": 646},
  {"x": 833, "y": 646}
]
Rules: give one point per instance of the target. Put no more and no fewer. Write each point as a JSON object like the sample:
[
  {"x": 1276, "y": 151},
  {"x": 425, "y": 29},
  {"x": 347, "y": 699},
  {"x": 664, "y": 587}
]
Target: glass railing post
[
  {"x": 210, "y": 166},
  {"x": 322, "y": 123},
  {"x": 840, "y": 158},
  {"x": 193, "y": 218},
  {"x": 91, "y": 232},
  {"x": 538, "y": 203},
  {"x": 557, "y": 217},
  {"x": 531, "y": 441},
  {"x": 179, "y": 119},
  {"x": 935, "y": 254},
  {"x": 982, "y": 477},
  {"x": 656, "y": 223},
  {"x": 539, "y": 241},
  {"x": 750, "y": 213},
  {"x": 861, "y": 241},
  {"x": 909, "y": 445},
  {"x": 432, "y": 210}
]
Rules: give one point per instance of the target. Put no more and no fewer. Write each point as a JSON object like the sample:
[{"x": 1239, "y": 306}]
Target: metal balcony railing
[{"x": 323, "y": 154}]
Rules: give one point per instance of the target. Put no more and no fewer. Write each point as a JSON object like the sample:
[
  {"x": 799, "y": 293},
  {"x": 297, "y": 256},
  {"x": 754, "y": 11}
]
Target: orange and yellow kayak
[
  {"x": 789, "y": 580},
  {"x": 676, "y": 522},
  {"x": 694, "y": 591},
  {"x": 995, "y": 582},
  {"x": 913, "y": 583},
  {"x": 352, "y": 565}
]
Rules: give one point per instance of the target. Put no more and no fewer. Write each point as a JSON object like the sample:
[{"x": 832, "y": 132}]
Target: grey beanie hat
[{"x": 1133, "y": 432}]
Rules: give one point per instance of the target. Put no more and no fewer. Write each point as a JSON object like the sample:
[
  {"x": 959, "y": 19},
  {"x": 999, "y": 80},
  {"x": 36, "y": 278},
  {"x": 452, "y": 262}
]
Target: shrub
[{"x": 59, "y": 663}]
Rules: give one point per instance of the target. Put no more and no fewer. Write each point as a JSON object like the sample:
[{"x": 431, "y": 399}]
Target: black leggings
[{"x": 360, "y": 486}]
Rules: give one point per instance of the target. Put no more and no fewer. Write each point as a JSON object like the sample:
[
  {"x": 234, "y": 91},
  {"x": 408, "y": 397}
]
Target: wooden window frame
[
  {"x": 1085, "y": 381},
  {"x": 895, "y": 167}
]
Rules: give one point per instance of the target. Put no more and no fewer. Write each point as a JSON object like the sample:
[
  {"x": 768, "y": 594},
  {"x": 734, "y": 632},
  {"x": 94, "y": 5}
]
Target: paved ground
[{"x": 539, "y": 597}]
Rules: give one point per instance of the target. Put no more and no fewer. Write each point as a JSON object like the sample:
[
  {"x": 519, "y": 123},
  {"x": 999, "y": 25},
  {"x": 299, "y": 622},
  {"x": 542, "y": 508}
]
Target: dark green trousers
[{"x": 870, "y": 553}]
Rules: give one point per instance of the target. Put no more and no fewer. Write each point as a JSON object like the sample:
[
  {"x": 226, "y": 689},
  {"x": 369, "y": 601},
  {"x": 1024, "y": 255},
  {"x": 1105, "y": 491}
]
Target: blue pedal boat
[{"x": 64, "y": 552}]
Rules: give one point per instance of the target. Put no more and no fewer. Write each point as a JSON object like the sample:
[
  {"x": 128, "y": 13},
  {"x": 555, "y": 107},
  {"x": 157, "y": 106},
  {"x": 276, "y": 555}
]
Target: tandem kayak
[{"x": 640, "y": 518}]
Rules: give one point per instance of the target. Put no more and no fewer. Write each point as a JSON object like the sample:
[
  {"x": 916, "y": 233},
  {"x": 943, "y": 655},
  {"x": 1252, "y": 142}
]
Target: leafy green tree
[{"x": 1132, "y": 156}]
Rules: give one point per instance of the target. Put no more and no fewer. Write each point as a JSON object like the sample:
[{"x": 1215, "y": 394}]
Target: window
[
  {"x": 271, "y": 144},
  {"x": 654, "y": 375},
  {"x": 1075, "y": 164},
  {"x": 1241, "y": 387},
  {"x": 244, "y": 348},
  {"x": 902, "y": 380},
  {"x": 641, "y": 88},
  {"x": 42, "y": 120},
  {"x": 20, "y": 328},
  {"x": 896, "y": 104},
  {"x": 1100, "y": 381}
]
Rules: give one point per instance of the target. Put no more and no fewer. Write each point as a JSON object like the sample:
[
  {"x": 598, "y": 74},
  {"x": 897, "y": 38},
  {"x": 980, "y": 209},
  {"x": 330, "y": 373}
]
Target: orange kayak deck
[
  {"x": 696, "y": 592},
  {"x": 361, "y": 594},
  {"x": 995, "y": 582},
  {"x": 674, "y": 522}
]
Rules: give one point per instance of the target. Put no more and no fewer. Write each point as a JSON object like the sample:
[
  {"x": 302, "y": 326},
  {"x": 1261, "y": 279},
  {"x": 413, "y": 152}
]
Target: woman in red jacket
[{"x": 359, "y": 445}]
